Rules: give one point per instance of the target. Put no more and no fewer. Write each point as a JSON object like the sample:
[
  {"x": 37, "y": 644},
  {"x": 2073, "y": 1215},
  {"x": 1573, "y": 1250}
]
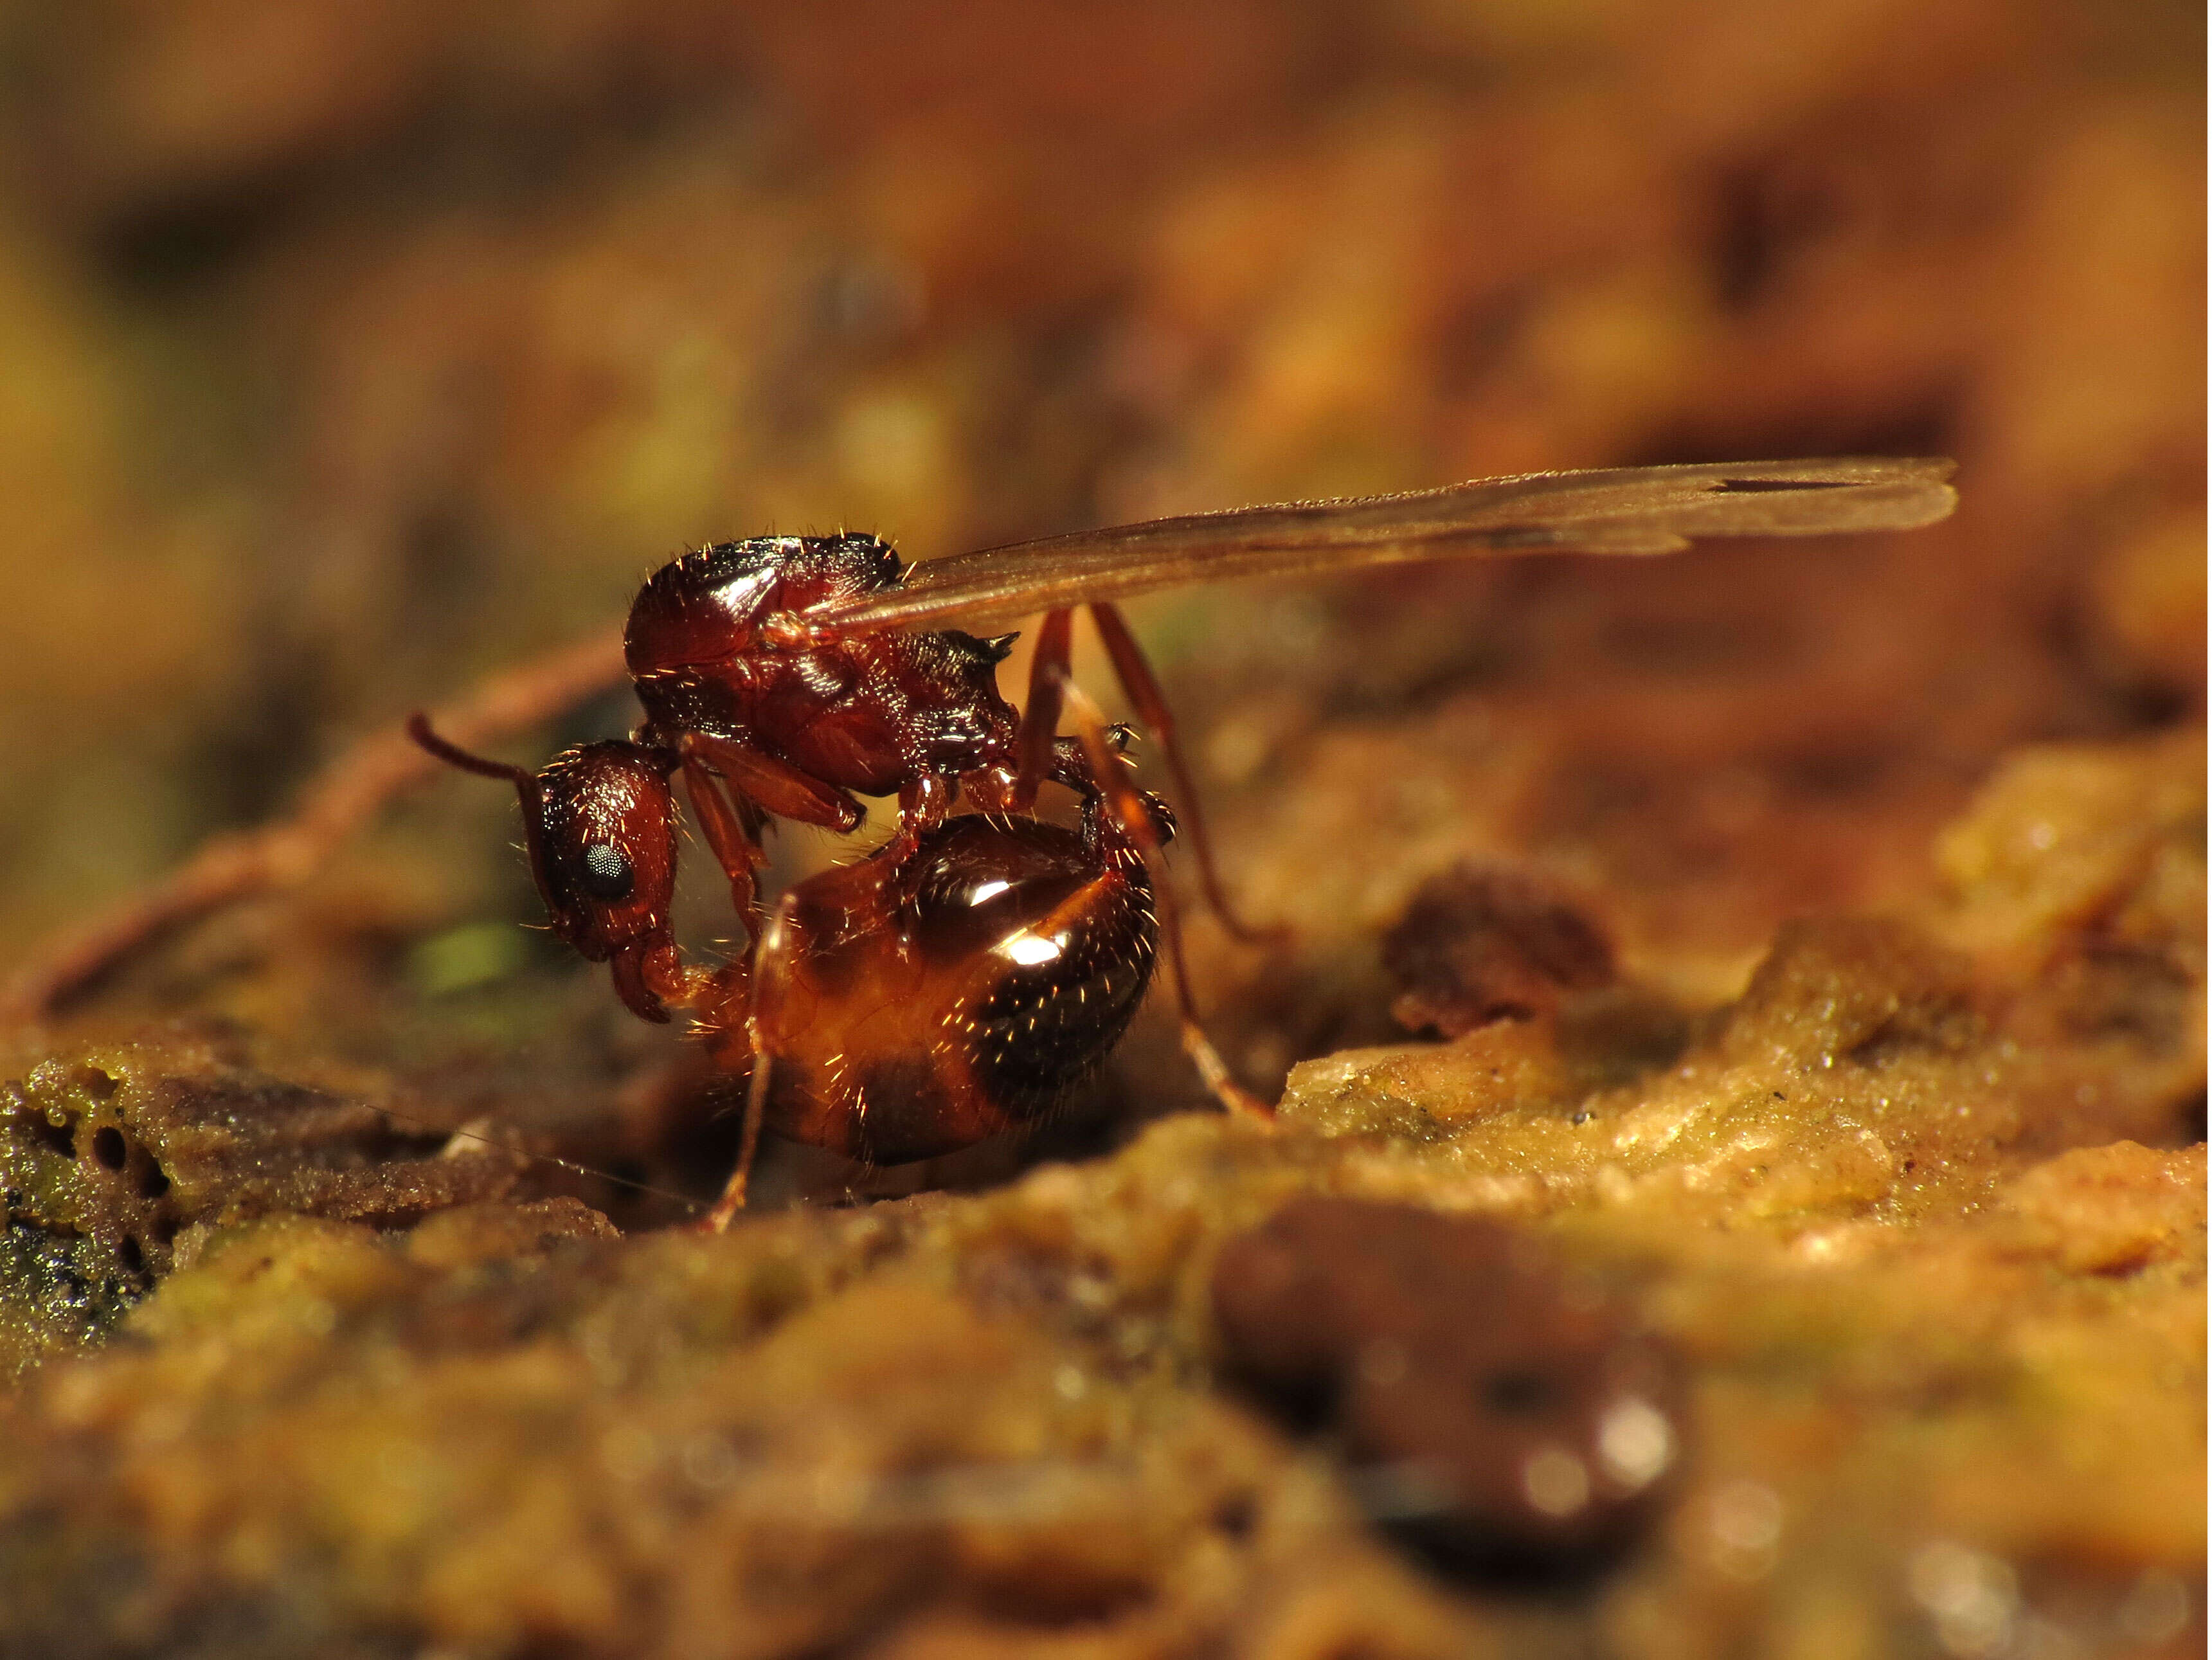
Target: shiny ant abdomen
[{"x": 910, "y": 1006}]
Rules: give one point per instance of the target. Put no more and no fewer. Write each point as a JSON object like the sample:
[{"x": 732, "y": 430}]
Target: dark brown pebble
[
  {"x": 1477, "y": 945},
  {"x": 1494, "y": 1411}
]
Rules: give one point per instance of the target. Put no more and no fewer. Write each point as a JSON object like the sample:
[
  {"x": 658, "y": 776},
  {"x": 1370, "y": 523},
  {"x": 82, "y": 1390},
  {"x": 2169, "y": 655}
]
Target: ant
[
  {"x": 784, "y": 676},
  {"x": 907, "y": 1005}
]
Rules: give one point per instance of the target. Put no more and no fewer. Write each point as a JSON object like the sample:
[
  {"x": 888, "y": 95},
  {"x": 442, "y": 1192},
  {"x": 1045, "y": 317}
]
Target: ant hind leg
[
  {"x": 1144, "y": 692},
  {"x": 1033, "y": 743},
  {"x": 1127, "y": 804}
]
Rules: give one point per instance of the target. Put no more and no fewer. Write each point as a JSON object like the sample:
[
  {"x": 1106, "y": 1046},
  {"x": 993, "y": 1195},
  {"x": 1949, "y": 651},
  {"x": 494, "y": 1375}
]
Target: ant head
[
  {"x": 603, "y": 845},
  {"x": 599, "y": 823}
]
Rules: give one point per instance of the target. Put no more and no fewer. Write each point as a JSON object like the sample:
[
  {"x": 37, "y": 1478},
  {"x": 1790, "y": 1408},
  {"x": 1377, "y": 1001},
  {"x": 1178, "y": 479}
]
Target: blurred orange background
[{"x": 354, "y": 350}]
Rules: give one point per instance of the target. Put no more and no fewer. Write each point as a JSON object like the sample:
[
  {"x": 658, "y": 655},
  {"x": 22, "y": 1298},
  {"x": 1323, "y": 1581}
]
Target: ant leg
[
  {"x": 1135, "y": 675},
  {"x": 771, "y": 952},
  {"x": 1127, "y": 804},
  {"x": 733, "y": 1198},
  {"x": 1041, "y": 710},
  {"x": 739, "y": 853},
  {"x": 776, "y": 785},
  {"x": 923, "y": 805}
]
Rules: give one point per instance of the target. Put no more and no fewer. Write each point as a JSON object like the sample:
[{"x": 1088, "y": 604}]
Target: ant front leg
[
  {"x": 1122, "y": 799},
  {"x": 735, "y": 849},
  {"x": 757, "y": 777},
  {"x": 1144, "y": 692}
]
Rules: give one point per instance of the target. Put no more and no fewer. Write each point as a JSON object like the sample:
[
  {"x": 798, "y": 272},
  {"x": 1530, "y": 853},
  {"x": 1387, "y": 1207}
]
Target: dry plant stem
[{"x": 247, "y": 864}]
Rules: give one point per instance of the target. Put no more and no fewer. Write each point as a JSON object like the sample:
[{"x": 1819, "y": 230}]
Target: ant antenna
[
  {"x": 418, "y": 728},
  {"x": 525, "y": 785},
  {"x": 519, "y": 1152}
]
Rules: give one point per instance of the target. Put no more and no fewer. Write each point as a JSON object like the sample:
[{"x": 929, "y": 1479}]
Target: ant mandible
[{"x": 784, "y": 675}]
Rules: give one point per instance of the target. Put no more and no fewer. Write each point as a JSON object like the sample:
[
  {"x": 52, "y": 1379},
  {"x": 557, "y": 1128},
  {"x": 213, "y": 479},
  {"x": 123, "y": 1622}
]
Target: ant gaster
[{"x": 784, "y": 675}]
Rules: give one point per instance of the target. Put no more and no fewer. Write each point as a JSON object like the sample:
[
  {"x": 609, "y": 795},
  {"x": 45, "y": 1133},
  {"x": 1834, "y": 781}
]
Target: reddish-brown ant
[
  {"x": 904, "y": 1006},
  {"x": 783, "y": 675}
]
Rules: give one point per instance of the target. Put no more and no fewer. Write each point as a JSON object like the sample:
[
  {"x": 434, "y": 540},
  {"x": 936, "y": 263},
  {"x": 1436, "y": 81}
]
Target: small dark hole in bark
[
  {"x": 133, "y": 1257},
  {"x": 109, "y": 1147},
  {"x": 62, "y": 1138},
  {"x": 1235, "y": 1514},
  {"x": 153, "y": 1184}
]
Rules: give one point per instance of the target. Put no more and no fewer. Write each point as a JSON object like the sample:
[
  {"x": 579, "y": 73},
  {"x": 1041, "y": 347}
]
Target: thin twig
[{"x": 353, "y": 788}]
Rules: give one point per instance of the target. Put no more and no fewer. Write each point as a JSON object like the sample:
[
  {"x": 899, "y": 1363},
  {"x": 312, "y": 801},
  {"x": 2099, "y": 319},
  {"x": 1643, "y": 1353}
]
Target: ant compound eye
[{"x": 607, "y": 873}]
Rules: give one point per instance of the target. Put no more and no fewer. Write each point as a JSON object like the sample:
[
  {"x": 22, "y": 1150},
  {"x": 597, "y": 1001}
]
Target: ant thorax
[{"x": 868, "y": 712}]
